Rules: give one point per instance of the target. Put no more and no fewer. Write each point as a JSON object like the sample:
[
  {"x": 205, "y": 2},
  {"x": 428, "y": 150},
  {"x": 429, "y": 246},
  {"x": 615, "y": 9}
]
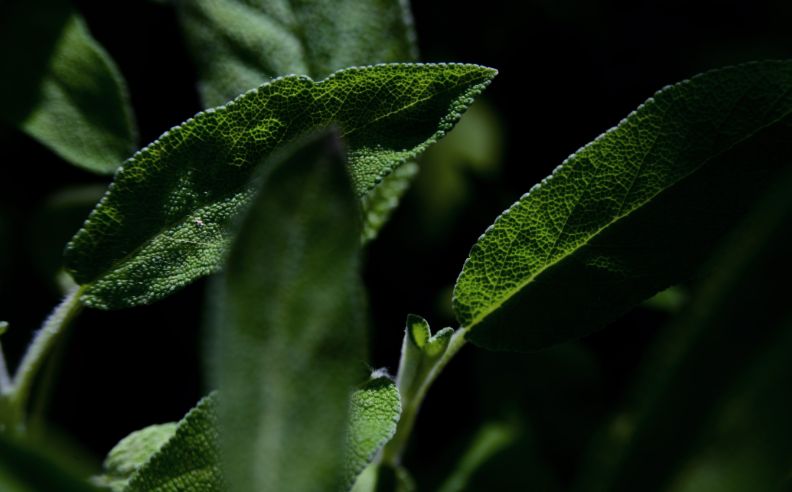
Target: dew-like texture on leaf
[
  {"x": 289, "y": 328},
  {"x": 629, "y": 214},
  {"x": 188, "y": 461},
  {"x": 166, "y": 219},
  {"x": 61, "y": 88},
  {"x": 131, "y": 453},
  {"x": 240, "y": 44},
  {"x": 373, "y": 418}
]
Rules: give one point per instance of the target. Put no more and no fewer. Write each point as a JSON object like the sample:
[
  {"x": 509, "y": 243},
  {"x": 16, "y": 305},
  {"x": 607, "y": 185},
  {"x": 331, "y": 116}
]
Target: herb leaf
[
  {"x": 380, "y": 203},
  {"x": 61, "y": 88},
  {"x": 188, "y": 461},
  {"x": 631, "y": 213},
  {"x": 289, "y": 328},
  {"x": 374, "y": 414},
  {"x": 240, "y": 44},
  {"x": 166, "y": 219},
  {"x": 131, "y": 453}
]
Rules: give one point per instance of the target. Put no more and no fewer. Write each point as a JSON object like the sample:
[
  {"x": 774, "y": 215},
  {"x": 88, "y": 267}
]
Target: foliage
[{"x": 316, "y": 118}]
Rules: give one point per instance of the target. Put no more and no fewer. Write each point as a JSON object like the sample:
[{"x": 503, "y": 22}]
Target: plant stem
[
  {"x": 392, "y": 452},
  {"x": 43, "y": 343},
  {"x": 5, "y": 380}
]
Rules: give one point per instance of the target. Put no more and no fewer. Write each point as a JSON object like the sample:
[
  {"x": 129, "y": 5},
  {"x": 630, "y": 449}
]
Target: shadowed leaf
[{"x": 60, "y": 87}]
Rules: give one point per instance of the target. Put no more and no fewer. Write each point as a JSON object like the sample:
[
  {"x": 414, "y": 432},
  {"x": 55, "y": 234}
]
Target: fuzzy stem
[
  {"x": 5, "y": 379},
  {"x": 43, "y": 343},
  {"x": 392, "y": 452}
]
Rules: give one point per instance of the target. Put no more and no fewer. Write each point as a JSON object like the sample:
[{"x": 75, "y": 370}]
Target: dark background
[{"x": 569, "y": 70}]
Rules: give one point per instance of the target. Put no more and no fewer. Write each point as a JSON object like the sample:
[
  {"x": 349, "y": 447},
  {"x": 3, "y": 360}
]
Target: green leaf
[
  {"x": 374, "y": 415},
  {"x": 380, "y": 202},
  {"x": 188, "y": 461},
  {"x": 61, "y": 88},
  {"x": 23, "y": 469},
  {"x": 166, "y": 219},
  {"x": 630, "y": 214},
  {"x": 240, "y": 44},
  {"x": 728, "y": 349},
  {"x": 288, "y": 328},
  {"x": 421, "y": 353},
  {"x": 131, "y": 453}
]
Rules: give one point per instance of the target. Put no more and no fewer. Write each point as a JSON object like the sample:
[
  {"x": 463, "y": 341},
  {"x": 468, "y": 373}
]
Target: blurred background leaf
[{"x": 61, "y": 87}]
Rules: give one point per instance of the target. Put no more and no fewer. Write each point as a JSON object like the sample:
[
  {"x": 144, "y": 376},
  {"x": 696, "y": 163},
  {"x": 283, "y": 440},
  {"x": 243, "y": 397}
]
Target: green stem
[
  {"x": 43, "y": 343},
  {"x": 5, "y": 380},
  {"x": 392, "y": 452}
]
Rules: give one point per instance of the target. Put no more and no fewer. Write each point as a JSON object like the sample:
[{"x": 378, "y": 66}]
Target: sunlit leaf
[
  {"x": 631, "y": 213},
  {"x": 166, "y": 219}
]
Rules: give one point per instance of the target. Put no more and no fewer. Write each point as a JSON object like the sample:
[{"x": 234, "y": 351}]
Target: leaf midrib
[{"x": 520, "y": 286}]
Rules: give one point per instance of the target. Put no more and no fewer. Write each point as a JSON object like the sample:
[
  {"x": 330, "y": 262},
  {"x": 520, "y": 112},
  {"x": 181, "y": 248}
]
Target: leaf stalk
[
  {"x": 44, "y": 341},
  {"x": 412, "y": 399}
]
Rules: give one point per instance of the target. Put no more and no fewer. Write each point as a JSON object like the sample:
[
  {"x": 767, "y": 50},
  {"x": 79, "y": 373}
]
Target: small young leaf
[
  {"x": 630, "y": 214},
  {"x": 421, "y": 351},
  {"x": 131, "y": 453},
  {"x": 166, "y": 219},
  {"x": 188, "y": 460},
  {"x": 288, "y": 328},
  {"x": 374, "y": 414},
  {"x": 240, "y": 44},
  {"x": 60, "y": 87}
]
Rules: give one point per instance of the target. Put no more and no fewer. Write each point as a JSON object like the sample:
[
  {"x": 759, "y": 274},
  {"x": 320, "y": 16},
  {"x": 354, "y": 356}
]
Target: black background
[{"x": 569, "y": 70}]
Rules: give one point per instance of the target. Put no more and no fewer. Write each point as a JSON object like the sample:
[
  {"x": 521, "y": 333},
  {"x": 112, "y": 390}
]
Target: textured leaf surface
[
  {"x": 373, "y": 417},
  {"x": 381, "y": 202},
  {"x": 289, "y": 328},
  {"x": 703, "y": 381},
  {"x": 188, "y": 461},
  {"x": 631, "y": 213},
  {"x": 60, "y": 87},
  {"x": 131, "y": 453},
  {"x": 166, "y": 218},
  {"x": 240, "y": 44}
]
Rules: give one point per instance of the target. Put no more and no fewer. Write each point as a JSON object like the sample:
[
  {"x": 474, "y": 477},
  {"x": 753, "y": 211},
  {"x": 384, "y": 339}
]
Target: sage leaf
[
  {"x": 728, "y": 349},
  {"x": 131, "y": 453},
  {"x": 61, "y": 88},
  {"x": 166, "y": 219},
  {"x": 240, "y": 44},
  {"x": 188, "y": 460},
  {"x": 630, "y": 214},
  {"x": 288, "y": 327},
  {"x": 373, "y": 417},
  {"x": 380, "y": 203}
]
